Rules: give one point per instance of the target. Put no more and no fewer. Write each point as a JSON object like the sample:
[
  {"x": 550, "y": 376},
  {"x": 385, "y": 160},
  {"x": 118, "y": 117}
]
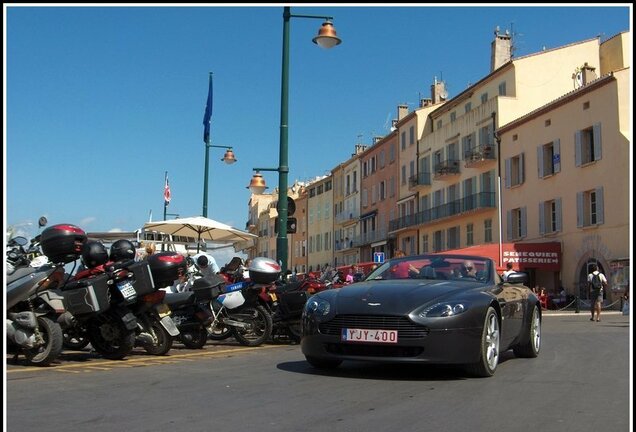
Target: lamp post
[
  {"x": 499, "y": 209},
  {"x": 326, "y": 38},
  {"x": 228, "y": 158}
]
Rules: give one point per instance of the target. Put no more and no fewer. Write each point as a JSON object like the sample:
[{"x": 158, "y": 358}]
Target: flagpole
[
  {"x": 206, "y": 139},
  {"x": 165, "y": 203}
]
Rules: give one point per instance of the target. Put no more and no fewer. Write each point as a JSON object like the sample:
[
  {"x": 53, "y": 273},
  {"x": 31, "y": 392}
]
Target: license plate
[
  {"x": 369, "y": 335},
  {"x": 163, "y": 310},
  {"x": 127, "y": 289}
]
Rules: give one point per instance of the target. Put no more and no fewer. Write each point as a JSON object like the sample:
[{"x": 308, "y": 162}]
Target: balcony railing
[
  {"x": 369, "y": 237},
  {"x": 478, "y": 155},
  {"x": 421, "y": 179},
  {"x": 447, "y": 167},
  {"x": 343, "y": 217},
  {"x": 482, "y": 200}
]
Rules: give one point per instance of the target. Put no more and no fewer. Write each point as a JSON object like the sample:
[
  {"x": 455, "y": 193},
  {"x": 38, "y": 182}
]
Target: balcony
[
  {"x": 369, "y": 237},
  {"x": 460, "y": 207},
  {"x": 446, "y": 168},
  {"x": 479, "y": 156},
  {"x": 421, "y": 179}
]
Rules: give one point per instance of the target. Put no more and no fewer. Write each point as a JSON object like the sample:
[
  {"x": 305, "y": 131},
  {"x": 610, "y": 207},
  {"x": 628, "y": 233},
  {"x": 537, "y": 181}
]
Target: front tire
[
  {"x": 109, "y": 336},
  {"x": 194, "y": 339},
  {"x": 163, "y": 338},
  {"x": 260, "y": 326},
  {"x": 488, "y": 348},
  {"x": 530, "y": 344},
  {"x": 51, "y": 348}
]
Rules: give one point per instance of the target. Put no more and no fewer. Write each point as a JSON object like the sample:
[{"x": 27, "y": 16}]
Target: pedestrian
[
  {"x": 207, "y": 265},
  {"x": 596, "y": 282},
  {"x": 508, "y": 271},
  {"x": 349, "y": 278}
]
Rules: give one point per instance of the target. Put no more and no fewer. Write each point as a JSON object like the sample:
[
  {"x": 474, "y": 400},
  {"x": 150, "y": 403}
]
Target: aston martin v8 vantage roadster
[{"x": 435, "y": 309}]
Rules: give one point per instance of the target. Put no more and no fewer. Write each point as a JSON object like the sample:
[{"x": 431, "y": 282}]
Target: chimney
[
  {"x": 403, "y": 110},
  {"x": 393, "y": 125},
  {"x": 425, "y": 102},
  {"x": 438, "y": 91},
  {"x": 359, "y": 149},
  {"x": 588, "y": 73},
  {"x": 501, "y": 49},
  {"x": 377, "y": 139}
]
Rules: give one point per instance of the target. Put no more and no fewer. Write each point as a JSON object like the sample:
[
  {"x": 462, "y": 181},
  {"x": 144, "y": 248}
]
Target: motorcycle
[
  {"x": 209, "y": 308},
  {"x": 33, "y": 305},
  {"x": 136, "y": 293}
]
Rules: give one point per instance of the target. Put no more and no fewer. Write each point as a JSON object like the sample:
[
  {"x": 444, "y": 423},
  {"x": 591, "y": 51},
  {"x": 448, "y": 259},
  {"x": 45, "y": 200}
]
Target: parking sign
[{"x": 378, "y": 257}]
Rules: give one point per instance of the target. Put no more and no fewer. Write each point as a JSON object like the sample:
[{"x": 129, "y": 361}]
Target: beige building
[
  {"x": 567, "y": 170},
  {"x": 298, "y": 251},
  {"x": 320, "y": 223}
]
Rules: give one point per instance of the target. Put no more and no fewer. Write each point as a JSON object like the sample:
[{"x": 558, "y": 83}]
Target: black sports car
[{"x": 442, "y": 309}]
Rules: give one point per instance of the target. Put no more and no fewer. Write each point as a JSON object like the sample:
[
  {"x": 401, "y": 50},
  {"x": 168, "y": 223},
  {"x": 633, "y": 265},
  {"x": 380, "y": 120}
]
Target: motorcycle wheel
[
  {"x": 260, "y": 329},
  {"x": 110, "y": 337},
  {"x": 295, "y": 331},
  {"x": 75, "y": 338},
  {"x": 194, "y": 339},
  {"x": 164, "y": 340},
  {"x": 220, "y": 333},
  {"x": 46, "y": 353}
]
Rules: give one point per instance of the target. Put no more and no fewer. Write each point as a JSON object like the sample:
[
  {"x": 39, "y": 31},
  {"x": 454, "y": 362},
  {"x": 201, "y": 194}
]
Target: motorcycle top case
[
  {"x": 208, "y": 288},
  {"x": 87, "y": 296},
  {"x": 62, "y": 242},
  {"x": 166, "y": 267},
  {"x": 264, "y": 270}
]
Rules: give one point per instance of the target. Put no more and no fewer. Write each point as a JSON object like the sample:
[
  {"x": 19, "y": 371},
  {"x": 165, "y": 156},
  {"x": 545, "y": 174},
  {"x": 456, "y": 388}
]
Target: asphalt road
[{"x": 580, "y": 382}]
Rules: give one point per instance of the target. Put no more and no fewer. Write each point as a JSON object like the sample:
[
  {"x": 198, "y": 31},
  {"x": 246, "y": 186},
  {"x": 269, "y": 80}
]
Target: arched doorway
[{"x": 584, "y": 270}]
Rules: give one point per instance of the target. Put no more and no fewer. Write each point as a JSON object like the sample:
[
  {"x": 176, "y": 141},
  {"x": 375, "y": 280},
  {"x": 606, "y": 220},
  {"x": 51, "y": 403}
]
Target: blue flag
[{"x": 208, "y": 115}]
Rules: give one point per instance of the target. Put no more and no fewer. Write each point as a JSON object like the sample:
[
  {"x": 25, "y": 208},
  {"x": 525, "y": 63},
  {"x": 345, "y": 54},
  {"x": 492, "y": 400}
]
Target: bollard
[{"x": 578, "y": 305}]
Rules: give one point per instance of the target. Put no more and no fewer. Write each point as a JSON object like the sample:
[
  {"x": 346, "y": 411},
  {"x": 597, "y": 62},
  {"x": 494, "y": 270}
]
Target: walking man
[{"x": 596, "y": 281}]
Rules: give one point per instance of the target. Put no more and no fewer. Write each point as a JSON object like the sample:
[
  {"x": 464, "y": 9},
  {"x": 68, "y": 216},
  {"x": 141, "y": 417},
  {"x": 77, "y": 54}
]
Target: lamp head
[
  {"x": 228, "y": 157},
  {"x": 257, "y": 184},
  {"x": 327, "y": 37}
]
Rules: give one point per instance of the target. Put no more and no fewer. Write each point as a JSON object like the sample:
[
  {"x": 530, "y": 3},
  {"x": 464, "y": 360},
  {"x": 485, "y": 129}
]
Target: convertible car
[{"x": 435, "y": 309}]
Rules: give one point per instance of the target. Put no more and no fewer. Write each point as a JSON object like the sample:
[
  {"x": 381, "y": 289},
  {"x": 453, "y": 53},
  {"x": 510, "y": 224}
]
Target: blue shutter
[
  {"x": 542, "y": 217},
  {"x": 577, "y": 148},
  {"x": 522, "y": 163},
  {"x": 559, "y": 219},
  {"x": 580, "y": 216},
  {"x": 509, "y": 225},
  {"x": 597, "y": 141},
  {"x": 524, "y": 222},
  {"x": 508, "y": 173},
  {"x": 556, "y": 155},
  {"x": 599, "y": 206},
  {"x": 540, "y": 161}
]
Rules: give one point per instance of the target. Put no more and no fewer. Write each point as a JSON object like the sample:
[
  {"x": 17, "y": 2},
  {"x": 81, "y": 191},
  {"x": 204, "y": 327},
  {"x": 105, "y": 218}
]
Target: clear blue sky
[{"x": 101, "y": 101}]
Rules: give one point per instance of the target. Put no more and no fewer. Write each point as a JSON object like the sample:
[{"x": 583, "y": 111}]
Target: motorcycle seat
[{"x": 175, "y": 300}]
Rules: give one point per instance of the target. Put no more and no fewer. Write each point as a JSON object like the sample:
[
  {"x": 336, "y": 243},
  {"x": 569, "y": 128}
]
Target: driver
[{"x": 468, "y": 269}]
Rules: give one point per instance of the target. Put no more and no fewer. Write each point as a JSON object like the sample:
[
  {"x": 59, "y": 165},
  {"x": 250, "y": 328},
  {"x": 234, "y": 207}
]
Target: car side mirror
[{"x": 517, "y": 278}]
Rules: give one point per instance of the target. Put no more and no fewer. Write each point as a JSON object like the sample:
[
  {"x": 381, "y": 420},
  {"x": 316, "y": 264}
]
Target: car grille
[{"x": 406, "y": 328}]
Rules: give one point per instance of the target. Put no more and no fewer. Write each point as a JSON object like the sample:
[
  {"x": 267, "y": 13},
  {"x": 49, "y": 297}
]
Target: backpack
[{"x": 596, "y": 281}]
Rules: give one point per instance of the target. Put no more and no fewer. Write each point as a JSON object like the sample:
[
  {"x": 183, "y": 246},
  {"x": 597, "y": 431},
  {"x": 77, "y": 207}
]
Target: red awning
[{"x": 541, "y": 256}]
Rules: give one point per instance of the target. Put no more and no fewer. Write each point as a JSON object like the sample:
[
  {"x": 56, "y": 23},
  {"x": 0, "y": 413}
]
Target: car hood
[{"x": 393, "y": 297}]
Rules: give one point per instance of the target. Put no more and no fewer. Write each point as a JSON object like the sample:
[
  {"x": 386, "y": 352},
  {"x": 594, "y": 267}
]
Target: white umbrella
[{"x": 201, "y": 228}]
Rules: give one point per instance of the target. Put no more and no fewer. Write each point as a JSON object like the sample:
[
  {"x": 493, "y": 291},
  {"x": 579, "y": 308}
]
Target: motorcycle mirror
[
  {"x": 42, "y": 221},
  {"x": 19, "y": 240}
]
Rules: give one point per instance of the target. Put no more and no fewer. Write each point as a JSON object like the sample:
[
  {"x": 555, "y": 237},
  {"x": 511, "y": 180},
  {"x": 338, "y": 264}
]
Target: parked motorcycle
[
  {"x": 136, "y": 293},
  {"x": 209, "y": 308},
  {"x": 34, "y": 301}
]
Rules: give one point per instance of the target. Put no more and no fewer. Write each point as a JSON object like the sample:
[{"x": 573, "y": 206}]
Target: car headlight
[
  {"x": 444, "y": 309},
  {"x": 317, "y": 306}
]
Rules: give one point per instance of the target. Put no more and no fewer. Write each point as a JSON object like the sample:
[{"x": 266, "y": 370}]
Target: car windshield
[{"x": 435, "y": 267}]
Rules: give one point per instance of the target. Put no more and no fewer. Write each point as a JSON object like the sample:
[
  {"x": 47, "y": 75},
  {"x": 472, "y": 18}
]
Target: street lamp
[
  {"x": 228, "y": 158},
  {"x": 326, "y": 38}
]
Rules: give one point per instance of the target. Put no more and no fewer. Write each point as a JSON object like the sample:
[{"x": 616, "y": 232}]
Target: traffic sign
[{"x": 378, "y": 257}]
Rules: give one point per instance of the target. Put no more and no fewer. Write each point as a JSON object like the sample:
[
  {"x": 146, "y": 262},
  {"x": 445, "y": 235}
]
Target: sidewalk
[{"x": 586, "y": 312}]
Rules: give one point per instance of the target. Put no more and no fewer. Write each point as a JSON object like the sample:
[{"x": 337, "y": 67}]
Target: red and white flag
[{"x": 166, "y": 192}]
